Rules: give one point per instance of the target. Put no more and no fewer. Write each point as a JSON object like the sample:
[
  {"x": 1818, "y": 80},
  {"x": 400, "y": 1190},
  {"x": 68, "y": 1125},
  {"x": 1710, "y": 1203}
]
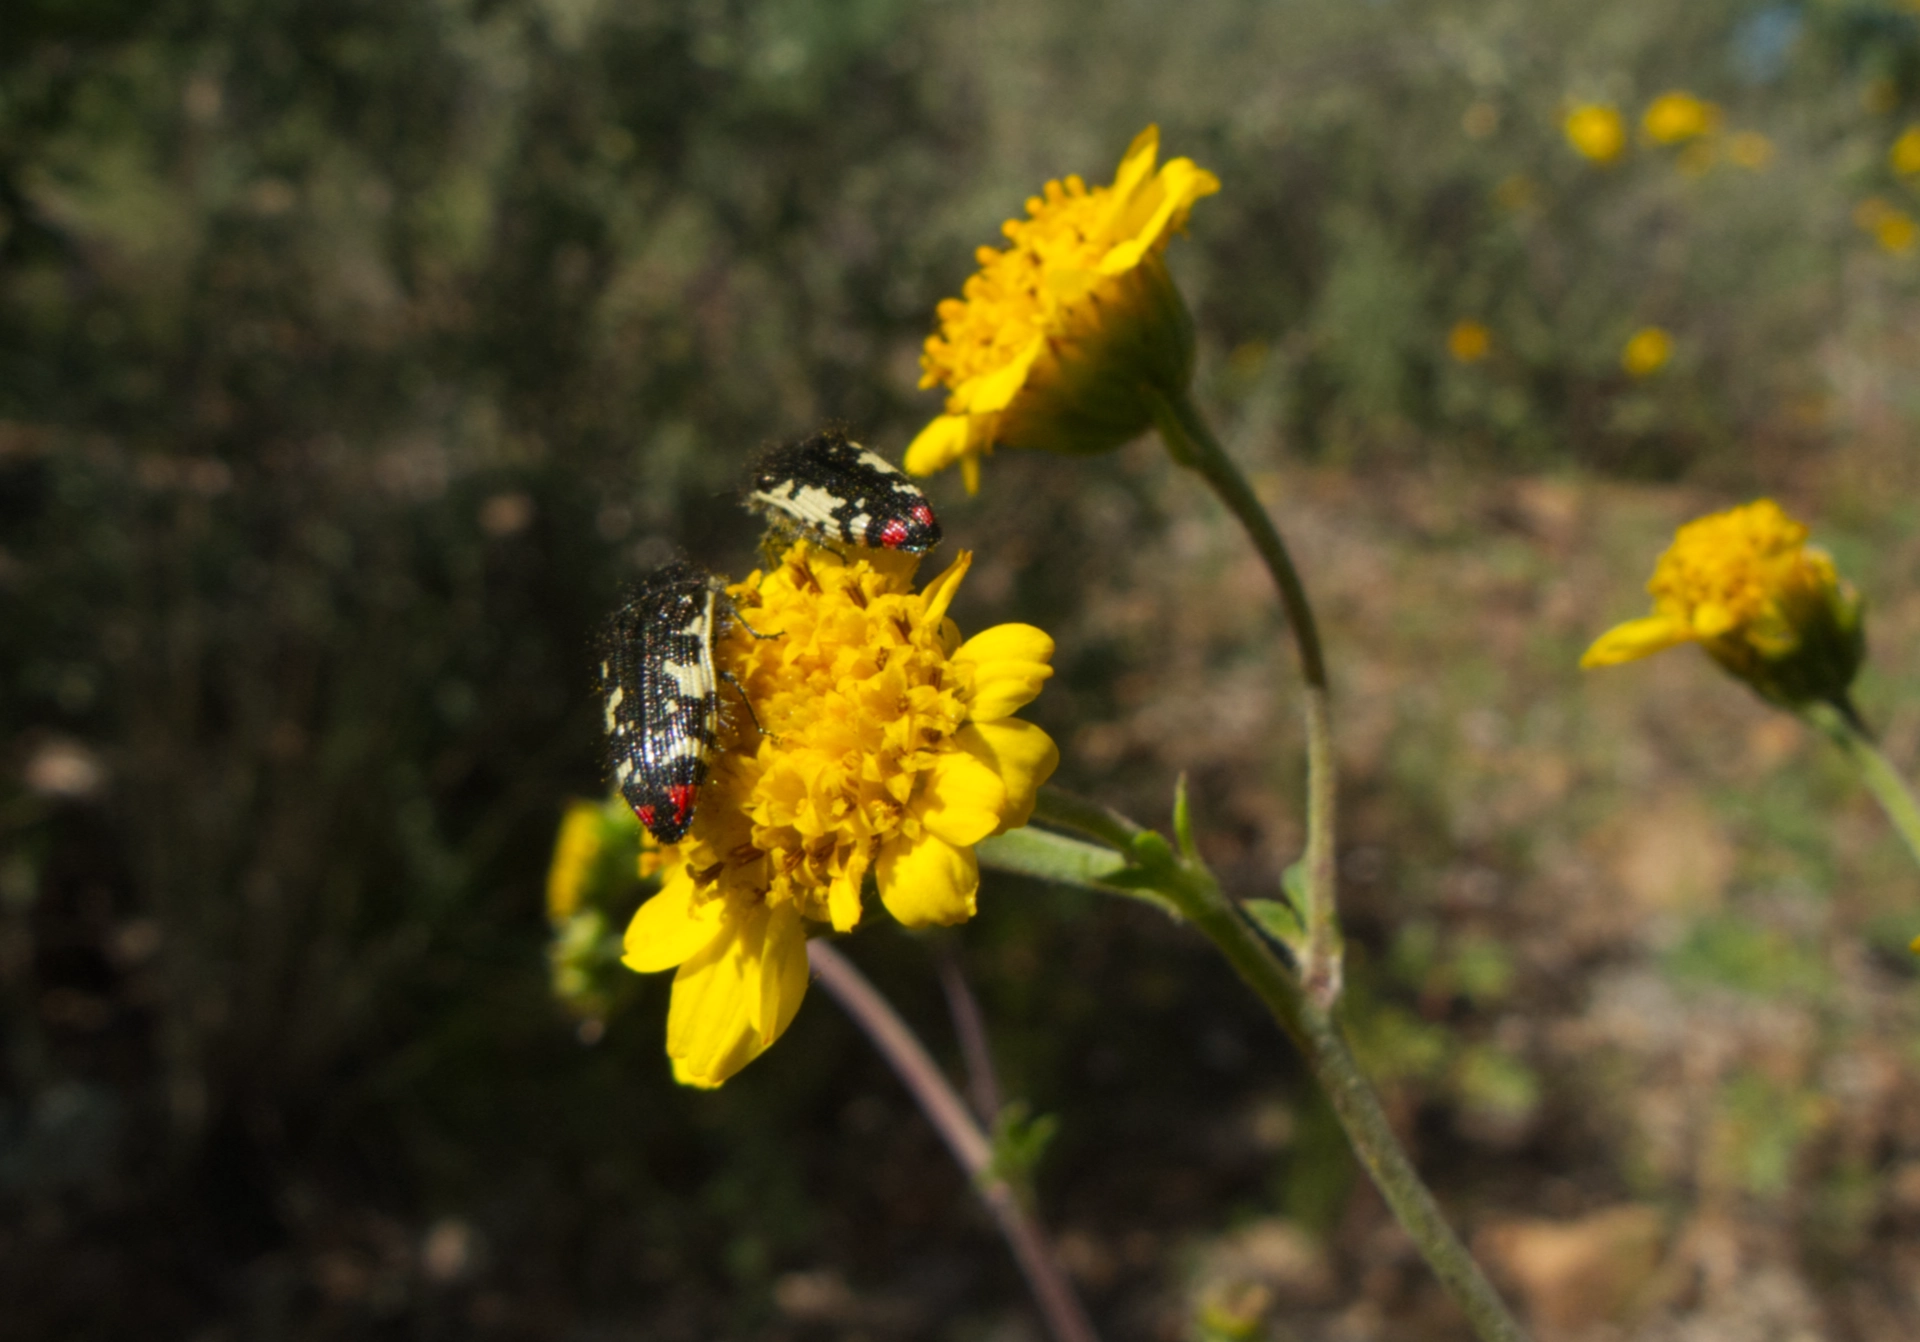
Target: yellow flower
[
  {"x": 1904, "y": 157},
  {"x": 1646, "y": 351},
  {"x": 1677, "y": 116},
  {"x": 885, "y": 745},
  {"x": 592, "y": 869},
  {"x": 1056, "y": 336},
  {"x": 1892, "y": 227},
  {"x": 1751, "y": 150},
  {"x": 1597, "y": 131},
  {"x": 575, "y": 852},
  {"x": 1469, "y": 341},
  {"x": 1768, "y": 607}
]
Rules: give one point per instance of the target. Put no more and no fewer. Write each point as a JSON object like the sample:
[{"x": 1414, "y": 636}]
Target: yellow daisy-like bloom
[
  {"x": 1469, "y": 341},
  {"x": 1904, "y": 157},
  {"x": 1677, "y": 116},
  {"x": 1768, "y": 607},
  {"x": 1596, "y": 131},
  {"x": 1646, "y": 351},
  {"x": 886, "y": 745},
  {"x": 1892, "y": 227},
  {"x": 1056, "y": 335}
]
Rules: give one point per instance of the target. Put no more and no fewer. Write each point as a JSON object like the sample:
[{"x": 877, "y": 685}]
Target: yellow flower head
[
  {"x": 592, "y": 875},
  {"x": 1904, "y": 157},
  {"x": 1597, "y": 131},
  {"x": 1469, "y": 341},
  {"x": 1646, "y": 351},
  {"x": 1768, "y": 607},
  {"x": 1055, "y": 336},
  {"x": 1677, "y": 116},
  {"x": 1892, "y": 227},
  {"x": 885, "y": 745}
]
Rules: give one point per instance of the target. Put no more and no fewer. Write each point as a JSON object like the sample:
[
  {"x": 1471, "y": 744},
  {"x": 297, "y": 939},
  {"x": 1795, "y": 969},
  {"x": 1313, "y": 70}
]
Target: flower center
[
  {"x": 1008, "y": 301},
  {"x": 850, "y": 681}
]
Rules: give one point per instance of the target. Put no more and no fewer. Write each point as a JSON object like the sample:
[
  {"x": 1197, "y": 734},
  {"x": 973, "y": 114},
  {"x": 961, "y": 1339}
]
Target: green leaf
[
  {"x": 1277, "y": 919},
  {"x": 1019, "y": 1142},
  {"x": 1183, "y": 820},
  {"x": 1151, "y": 849},
  {"x": 1050, "y": 856}
]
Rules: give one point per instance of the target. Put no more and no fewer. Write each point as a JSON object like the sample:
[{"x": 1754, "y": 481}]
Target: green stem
[
  {"x": 1193, "y": 445},
  {"x": 1190, "y": 891},
  {"x": 1843, "y": 726},
  {"x": 1318, "y": 1036}
]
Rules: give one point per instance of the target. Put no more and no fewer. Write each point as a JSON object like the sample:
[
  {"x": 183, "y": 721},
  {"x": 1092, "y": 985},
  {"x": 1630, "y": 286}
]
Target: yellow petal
[
  {"x": 578, "y": 847},
  {"x": 938, "y": 594},
  {"x": 961, "y": 798},
  {"x": 670, "y": 928},
  {"x": 1021, "y": 754},
  {"x": 1636, "y": 639},
  {"x": 783, "y": 973},
  {"x": 710, "y": 1031},
  {"x": 1136, "y": 164},
  {"x": 1712, "y": 618},
  {"x": 1009, "y": 663},
  {"x": 938, "y": 446},
  {"x": 996, "y": 390},
  {"x": 843, "y": 896},
  {"x": 970, "y": 473},
  {"x": 929, "y": 881},
  {"x": 1179, "y": 185}
]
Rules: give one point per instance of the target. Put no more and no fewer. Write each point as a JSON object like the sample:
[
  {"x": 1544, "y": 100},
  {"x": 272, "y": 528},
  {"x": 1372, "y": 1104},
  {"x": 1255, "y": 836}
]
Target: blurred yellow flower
[
  {"x": 1892, "y": 227},
  {"x": 1768, "y": 607},
  {"x": 593, "y": 866},
  {"x": 1904, "y": 157},
  {"x": 1647, "y": 351},
  {"x": 1677, "y": 116},
  {"x": 1056, "y": 336},
  {"x": 1469, "y": 341},
  {"x": 1750, "y": 149},
  {"x": 1597, "y": 131},
  {"x": 575, "y": 852},
  {"x": 885, "y": 745}
]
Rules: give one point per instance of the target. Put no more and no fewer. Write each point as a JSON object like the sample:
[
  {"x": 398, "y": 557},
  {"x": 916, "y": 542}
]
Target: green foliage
[
  {"x": 1020, "y": 1140},
  {"x": 1740, "y": 953},
  {"x": 352, "y": 355}
]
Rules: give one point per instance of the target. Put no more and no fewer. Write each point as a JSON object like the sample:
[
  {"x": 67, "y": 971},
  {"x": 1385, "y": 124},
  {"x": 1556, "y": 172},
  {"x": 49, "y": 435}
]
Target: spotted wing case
[
  {"x": 657, "y": 686},
  {"x": 833, "y": 490}
]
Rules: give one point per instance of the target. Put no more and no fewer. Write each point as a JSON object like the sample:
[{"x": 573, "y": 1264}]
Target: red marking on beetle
[
  {"x": 646, "y": 815},
  {"x": 893, "y": 534},
  {"x": 682, "y": 795},
  {"x": 923, "y": 514}
]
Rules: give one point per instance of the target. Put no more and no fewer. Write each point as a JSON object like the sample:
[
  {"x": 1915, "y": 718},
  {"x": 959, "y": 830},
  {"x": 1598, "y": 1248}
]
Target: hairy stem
[
  {"x": 944, "y": 1108},
  {"x": 1193, "y": 445}
]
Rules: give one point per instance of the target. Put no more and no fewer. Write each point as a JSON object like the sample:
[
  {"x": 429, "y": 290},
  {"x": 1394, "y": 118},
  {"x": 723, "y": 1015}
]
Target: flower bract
[
  {"x": 885, "y": 746},
  {"x": 1056, "y": 335},
  {"x": 1768, "y": 607}
]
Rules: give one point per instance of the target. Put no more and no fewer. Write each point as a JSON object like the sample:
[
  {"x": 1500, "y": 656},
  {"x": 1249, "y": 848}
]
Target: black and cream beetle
[
  {"x": 832, "y": 490},
  {"x": 657, "y": 685}
]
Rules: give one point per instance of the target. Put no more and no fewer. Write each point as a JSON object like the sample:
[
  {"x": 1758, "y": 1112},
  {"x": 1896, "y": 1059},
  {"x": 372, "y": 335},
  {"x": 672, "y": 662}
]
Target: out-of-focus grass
[{"x": 350, "y": 356}]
